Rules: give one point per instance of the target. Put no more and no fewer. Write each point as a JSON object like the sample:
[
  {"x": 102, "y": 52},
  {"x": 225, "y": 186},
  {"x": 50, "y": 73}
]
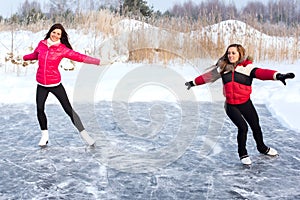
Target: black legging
[
  {"x": 239, "y": 114},
  {"x": 60, "y": 93}
]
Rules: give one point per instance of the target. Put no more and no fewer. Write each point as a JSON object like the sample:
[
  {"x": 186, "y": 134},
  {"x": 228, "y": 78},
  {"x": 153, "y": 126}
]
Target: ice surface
[{"x": 125, "y": 165}]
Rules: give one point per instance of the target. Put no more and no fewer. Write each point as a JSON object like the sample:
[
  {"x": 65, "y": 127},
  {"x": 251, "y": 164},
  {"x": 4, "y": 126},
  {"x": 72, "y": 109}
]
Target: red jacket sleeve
[
  {"x": 199, "y": 80},
  {"x": 76, "y": 56},
  {"x": 207, "y": 77},
  {"x": 265, "y": 74},
  {"x": 91, "y": 60},
  {"x": 32, "y": 56}
]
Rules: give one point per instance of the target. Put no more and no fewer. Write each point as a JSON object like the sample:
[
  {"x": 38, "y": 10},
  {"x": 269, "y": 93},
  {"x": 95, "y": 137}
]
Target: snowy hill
[{"x": 233, "y": 31}]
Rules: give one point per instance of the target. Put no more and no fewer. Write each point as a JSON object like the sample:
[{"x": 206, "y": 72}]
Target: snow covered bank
[{"x": 282, "y": 101}]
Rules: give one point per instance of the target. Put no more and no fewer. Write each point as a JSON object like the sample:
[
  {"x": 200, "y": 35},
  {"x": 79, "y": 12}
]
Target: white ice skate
[
  {"x": 246, "y": 161},
  {"x": 45, "y": 137},
  {"x": 272, "y": 152},
  {"x": 87, "y": 138}
]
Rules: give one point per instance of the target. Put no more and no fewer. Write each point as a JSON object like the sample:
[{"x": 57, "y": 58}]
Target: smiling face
[
  {"x": 55, "y": 35},
  {"x": 233, "y": 55}
]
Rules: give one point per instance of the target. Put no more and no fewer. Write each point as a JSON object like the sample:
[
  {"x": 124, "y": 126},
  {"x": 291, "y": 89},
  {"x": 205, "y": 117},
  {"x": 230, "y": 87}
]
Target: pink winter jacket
[{"x": 49, "y": 59}]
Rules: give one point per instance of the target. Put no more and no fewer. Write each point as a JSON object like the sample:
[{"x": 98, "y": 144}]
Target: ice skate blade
[
  {"x": 273, "y": 156},
  {"x": 43, "y": 145}
]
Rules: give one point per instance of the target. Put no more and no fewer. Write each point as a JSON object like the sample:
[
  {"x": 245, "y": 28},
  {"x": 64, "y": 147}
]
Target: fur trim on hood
[{"x": 224, "y": 66}]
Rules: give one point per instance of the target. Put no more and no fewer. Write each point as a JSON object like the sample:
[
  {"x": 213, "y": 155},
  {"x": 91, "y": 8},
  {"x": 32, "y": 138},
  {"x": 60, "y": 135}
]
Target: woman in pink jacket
[
  {"x": 49, "y": 53},
  {"x": 237, "y": 73}
]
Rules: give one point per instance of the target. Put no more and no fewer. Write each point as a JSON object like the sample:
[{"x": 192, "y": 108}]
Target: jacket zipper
[
  {"x": 232, "y": 79},
  {"x": 46, "y": 57}
]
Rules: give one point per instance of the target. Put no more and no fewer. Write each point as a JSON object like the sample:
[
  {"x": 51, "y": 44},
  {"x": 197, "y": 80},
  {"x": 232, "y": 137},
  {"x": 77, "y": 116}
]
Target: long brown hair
[
  {"x": 224, "y": 63},
  {"x": 64, "y": 35}
]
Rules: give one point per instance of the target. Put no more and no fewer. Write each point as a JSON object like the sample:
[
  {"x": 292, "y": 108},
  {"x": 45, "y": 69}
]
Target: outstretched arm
[
  {"x": 207, "y": 77},
  {"x": 32, "y": 56},
  {"x": 76, "y": 56},
  {"x": 267, "y": 74}
]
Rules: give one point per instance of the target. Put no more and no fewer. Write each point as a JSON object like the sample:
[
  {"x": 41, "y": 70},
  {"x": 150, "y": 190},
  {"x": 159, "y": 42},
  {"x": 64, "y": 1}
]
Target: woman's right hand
[{"x": 189, "y": 84}]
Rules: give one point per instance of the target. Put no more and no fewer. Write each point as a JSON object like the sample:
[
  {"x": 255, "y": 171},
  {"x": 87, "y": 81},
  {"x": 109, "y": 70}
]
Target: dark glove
[
  {"x": 282, "y": 77},
  {"x": 189, "y": 84}
]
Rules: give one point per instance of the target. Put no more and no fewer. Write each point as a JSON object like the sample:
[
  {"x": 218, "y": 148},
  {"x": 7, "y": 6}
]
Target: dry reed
[{"x": 171, "y": 38}]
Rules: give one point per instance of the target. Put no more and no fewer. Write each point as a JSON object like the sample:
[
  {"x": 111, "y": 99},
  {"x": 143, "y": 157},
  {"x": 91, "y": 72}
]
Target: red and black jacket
[{"x": 237, "y": 83}]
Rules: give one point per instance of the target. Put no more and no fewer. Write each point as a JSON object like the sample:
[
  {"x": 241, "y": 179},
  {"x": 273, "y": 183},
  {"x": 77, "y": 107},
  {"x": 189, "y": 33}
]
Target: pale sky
[{"x": 9, "y": 7}]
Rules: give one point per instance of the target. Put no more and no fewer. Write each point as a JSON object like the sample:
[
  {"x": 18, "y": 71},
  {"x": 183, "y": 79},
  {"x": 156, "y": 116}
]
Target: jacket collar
[
  {"x": 49, "y": 42},
  {"x": 245, "y": 62}
]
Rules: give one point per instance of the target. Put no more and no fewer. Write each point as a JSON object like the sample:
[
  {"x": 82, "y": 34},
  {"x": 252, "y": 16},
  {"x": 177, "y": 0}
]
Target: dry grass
[
  {"x": 152, "y": 55},
  {"x": 171, "y": 38},
  {"x": 102, "y": 21}
]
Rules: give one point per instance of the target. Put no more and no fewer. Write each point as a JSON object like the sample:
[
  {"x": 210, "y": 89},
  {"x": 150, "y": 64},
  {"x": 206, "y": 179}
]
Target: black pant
[
  {"x": 240, "y": 114},
  {"x": 60, "y": 93}
]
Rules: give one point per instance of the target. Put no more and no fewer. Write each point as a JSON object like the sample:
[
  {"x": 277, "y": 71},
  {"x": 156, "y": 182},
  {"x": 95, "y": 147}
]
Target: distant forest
[
  {"x": 269, "y": 18},
  {"x": 276, "y": 14}
]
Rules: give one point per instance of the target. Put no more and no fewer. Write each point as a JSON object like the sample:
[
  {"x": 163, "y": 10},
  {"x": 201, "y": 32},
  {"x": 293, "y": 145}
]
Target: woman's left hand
[{"x": 282, "y": 77}]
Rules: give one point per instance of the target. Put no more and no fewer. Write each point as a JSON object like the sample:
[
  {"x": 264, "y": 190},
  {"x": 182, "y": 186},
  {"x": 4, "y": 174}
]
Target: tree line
[
  {"x": 31, "y": 12},
  {"x": 275, "y": 11}
]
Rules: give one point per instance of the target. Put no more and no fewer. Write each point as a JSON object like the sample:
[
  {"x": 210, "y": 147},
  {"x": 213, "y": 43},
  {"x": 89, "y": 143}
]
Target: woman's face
[
  {"x": 233, "y": 55},
  {"x": 55, "y": 35}
]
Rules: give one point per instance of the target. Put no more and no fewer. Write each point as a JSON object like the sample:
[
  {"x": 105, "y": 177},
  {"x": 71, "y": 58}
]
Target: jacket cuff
[{"x": 274, "y": 76}]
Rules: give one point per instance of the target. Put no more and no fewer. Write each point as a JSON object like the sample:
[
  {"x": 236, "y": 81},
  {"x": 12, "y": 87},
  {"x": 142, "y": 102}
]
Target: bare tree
[
  {"x": 62, "y": 6},
  {"x": 283, "y": 11},
  {"x": 30, "y": 12},
  {"x": 137, "y": 8},
  {"x": 256, "y": 10}
]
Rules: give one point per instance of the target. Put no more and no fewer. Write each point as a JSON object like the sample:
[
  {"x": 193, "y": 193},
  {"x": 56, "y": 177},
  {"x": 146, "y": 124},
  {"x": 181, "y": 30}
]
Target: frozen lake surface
[{"x": 143, "y": 151}]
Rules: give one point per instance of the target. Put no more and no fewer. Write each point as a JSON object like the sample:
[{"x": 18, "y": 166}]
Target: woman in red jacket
[
  {"x": 49, "y": 53},
  {"x": 237, "y": 74}
]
